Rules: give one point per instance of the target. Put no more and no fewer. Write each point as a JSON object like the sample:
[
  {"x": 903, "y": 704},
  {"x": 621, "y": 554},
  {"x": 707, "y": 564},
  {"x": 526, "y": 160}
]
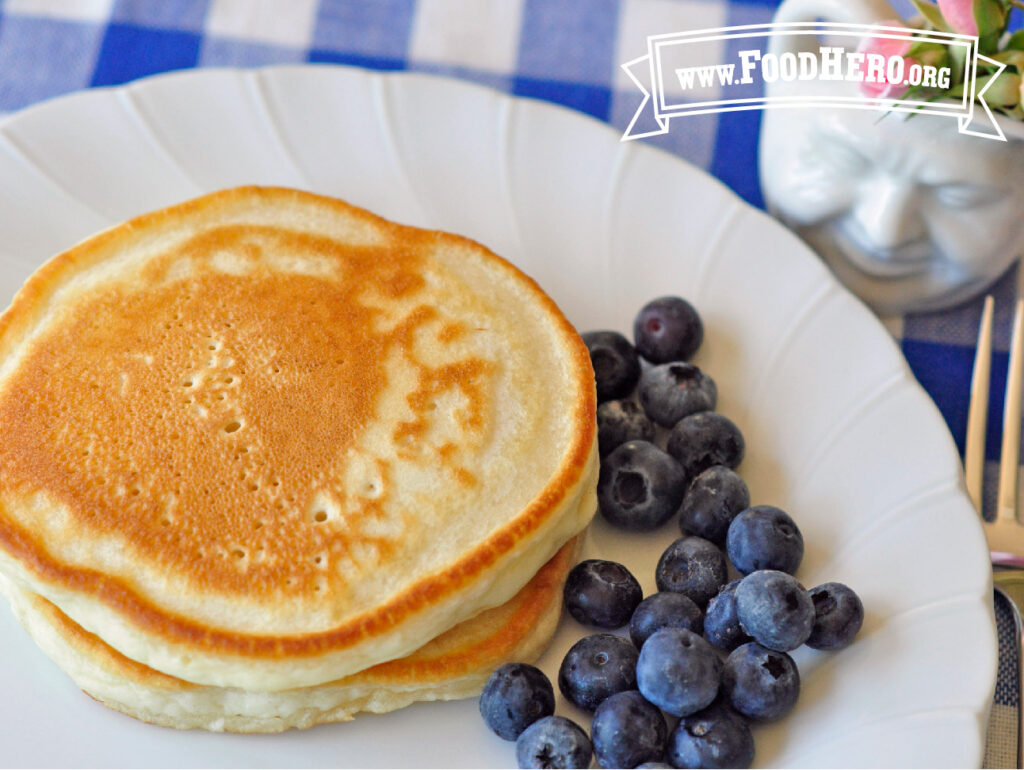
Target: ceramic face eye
[{"x": 966, "y": 196}]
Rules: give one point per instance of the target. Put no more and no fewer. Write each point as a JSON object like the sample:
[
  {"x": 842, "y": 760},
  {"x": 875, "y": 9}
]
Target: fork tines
[{"x": 974, "y": 450}]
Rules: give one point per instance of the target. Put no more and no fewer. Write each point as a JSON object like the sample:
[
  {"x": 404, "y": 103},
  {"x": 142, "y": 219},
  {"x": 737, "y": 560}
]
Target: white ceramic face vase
[{"x": 909, "y": 214}]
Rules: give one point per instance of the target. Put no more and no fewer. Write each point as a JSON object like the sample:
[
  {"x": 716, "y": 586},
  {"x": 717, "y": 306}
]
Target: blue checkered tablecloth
[{"x": 564, "y": 52}]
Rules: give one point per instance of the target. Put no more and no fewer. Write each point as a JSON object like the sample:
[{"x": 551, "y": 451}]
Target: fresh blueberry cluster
[{"x": 711, "y": 651}]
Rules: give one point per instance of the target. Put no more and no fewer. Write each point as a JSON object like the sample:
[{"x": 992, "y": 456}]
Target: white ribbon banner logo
[{"x": 679, "y": 76}]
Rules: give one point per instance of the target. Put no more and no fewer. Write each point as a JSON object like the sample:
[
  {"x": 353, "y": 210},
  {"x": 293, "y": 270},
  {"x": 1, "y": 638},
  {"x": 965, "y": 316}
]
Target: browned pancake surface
[
  {"x": 199, "y": 418},
  {"x": 203, "y": 417}
]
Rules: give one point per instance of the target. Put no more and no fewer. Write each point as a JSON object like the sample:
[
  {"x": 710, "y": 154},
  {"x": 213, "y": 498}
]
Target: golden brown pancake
[
  {"x": 454, "y": 665},
  {"x": 264, "y": 439}
]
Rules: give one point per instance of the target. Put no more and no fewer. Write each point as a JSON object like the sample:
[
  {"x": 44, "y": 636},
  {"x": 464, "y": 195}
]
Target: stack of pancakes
[{"x": 270, "y": 460}]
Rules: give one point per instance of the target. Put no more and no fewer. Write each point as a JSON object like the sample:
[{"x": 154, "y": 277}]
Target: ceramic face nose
[{"x": 889, "y": 214}]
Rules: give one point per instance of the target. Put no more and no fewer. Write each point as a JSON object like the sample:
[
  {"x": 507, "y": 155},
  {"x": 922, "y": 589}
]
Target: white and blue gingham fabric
[
  {"x": 564, "y": 52},
  {"x": 560, "y": 51}
]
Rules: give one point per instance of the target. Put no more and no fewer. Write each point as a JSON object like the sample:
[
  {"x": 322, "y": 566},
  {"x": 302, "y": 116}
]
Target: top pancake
[{"x": 264, "y": 439}]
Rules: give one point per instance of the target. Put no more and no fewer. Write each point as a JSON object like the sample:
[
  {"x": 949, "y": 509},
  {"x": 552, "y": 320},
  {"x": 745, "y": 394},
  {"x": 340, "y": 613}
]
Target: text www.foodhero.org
[{"x": 833, "y": 63}]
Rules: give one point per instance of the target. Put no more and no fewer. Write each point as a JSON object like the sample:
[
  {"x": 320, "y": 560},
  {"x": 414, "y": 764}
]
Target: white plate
[{"x": 837, "y": 430}]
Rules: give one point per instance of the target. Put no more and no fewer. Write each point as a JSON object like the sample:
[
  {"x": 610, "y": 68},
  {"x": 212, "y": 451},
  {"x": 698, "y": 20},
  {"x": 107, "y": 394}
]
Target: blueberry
[
  {"x": 620, "y": 421},
  {"x": 721, "y": 623},
  {"x": 764, "y": 537},
  {"x": 601, "y": 593},
  {"x": 666, "y": 609},
  {"x": 711, "y": 502},
  {"x": 595, "y": 667},
  {"x": 678, "y": 671},
  {"x": 616, "y": 364},
  {"x": 628, "y": 730},
  {"x": 701, "y": 440},
  {"x": 692, "y": 566},
  {"x": 838, "y": 616},
  {"x": 554, "y": 742},
  {"x": 667, "y": 329},
  {"x": 669, "y": 392},
  {"x": 515, "y": 696},
  {"x": 774, "y": 609},
  {"x": 714, "y": 737},
  {"x": 652, "y": 765},
  {"x": 639, "y": 486},
  {"x": 759, "y": 683}
]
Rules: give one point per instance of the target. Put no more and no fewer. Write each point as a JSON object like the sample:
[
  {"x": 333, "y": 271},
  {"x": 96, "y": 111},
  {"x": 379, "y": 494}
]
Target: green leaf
[
  {"x": 938, "y": 60},
  {"x": 1016, "y": 41},
  {"x": 1013, "y": 59},
  {"x": 991, "y": 17},
  {"x": 988, "y": 44},
  {"x": 958, "y": 63},
  {"x": 1017, "y": 113},
  {"x": 925, "y": 46},
  {"x": 932, "y": 54},
  {"x": 931, "y": 14},
  {"x": 1004, "y": 91}
]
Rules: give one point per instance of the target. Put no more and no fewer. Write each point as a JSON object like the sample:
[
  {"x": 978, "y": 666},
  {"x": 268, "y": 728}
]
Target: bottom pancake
[{"x": 454, "y": 665}]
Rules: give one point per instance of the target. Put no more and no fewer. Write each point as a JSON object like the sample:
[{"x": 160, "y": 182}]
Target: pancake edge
[
  {"x": 566, "y": 493},
  {"x": 133, "y": 689}
]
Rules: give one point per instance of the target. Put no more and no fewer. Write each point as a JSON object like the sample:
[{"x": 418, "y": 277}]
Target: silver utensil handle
[{"x": 1018, "y": 636}]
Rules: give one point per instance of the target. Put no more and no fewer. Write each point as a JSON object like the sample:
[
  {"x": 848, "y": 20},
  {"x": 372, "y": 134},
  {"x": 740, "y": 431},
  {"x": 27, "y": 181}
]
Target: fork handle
[
  {"x": 1009, "y": 457},
  {"x": 1007, "y": 583}
]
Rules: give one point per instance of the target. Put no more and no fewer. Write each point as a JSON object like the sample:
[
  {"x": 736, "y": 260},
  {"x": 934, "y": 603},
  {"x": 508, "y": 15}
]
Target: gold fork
[{"x": 1005, "y": 534}]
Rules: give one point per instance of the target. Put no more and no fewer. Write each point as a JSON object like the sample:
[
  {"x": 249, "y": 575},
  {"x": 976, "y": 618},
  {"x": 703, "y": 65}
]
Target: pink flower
[
  {"x": 888, "y": 48},
  {"x": 959, "y": 15}
]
